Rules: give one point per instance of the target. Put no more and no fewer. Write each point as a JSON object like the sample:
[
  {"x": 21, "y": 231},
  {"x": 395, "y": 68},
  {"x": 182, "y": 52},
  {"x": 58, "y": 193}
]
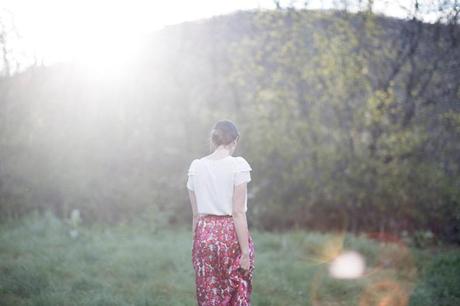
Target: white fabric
[{"x": 213, "y": 182}]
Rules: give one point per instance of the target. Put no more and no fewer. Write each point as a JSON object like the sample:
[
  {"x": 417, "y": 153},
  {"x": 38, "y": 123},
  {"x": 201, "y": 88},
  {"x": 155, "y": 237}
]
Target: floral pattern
[{"x": 216, "y": 257}]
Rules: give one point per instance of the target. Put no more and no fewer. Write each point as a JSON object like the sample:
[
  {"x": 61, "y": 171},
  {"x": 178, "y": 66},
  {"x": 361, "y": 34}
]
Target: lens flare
[
  {"x": 384, "y": 293},
  {"x": 349, "y": 264},
  {"x": 385, "y": 278}
]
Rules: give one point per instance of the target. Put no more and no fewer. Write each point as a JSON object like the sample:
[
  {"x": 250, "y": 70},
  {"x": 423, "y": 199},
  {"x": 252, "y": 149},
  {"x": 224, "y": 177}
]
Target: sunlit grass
[{"x": 41, "y": 264}]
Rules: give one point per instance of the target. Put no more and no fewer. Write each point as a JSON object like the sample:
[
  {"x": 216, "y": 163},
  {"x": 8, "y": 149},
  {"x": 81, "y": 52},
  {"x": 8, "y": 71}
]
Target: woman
[{"x": 223, "y": 253}]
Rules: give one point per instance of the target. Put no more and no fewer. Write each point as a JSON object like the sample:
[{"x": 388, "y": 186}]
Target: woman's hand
[{"x": 244, "y": 263}]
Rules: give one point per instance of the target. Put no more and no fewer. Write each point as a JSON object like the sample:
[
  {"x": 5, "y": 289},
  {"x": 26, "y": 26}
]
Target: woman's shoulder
[
  {"x": 240, "y": 159},
  {"x": 242, "y": 164},
  {"x": 193, "y": 166}
]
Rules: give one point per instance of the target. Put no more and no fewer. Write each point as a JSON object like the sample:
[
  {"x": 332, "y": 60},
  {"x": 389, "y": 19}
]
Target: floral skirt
[{"x": 216, "y": 257}]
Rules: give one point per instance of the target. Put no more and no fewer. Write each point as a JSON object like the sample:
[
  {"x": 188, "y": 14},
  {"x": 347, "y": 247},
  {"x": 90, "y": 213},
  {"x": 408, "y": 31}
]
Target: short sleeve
[
  {"x": 191, "y": 174},
  {"x": 242, "y": 171}
]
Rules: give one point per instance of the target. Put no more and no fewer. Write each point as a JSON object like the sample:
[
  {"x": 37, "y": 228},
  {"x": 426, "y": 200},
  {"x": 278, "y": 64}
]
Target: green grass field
[{"x": 41, "y": 264}]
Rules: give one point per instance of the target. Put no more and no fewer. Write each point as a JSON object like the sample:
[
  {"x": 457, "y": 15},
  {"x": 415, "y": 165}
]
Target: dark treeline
[{"x": 349, "y": 121}]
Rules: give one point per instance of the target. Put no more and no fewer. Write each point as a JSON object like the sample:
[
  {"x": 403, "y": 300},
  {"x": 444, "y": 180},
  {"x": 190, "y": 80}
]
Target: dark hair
[{"x": 223, "y": 133}]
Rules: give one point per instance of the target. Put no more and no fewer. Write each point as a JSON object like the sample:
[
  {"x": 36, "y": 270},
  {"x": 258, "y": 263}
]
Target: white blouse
[{"x": 213, "y": 182}]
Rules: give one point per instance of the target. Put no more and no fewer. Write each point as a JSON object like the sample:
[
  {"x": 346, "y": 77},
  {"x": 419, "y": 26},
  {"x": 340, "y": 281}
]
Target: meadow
[{"x": 43, "y": 263}]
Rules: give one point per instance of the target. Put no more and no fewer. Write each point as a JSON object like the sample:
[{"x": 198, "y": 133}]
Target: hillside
[{"x": 348, "y": 120}]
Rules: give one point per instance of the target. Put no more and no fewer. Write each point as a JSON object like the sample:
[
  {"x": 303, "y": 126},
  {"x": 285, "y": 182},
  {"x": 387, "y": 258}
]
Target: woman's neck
[{"x": 220, "y": 153}]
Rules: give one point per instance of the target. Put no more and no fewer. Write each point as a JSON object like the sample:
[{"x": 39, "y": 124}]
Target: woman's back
[{"x": 213, "y": 181}]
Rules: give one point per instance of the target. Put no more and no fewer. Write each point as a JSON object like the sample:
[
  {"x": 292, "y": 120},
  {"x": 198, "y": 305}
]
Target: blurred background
[{"x": 349, "y": 114}]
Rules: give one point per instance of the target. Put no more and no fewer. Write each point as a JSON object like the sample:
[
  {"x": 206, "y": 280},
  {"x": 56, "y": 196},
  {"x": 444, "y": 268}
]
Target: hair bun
[{"x": 223, "y": 133}]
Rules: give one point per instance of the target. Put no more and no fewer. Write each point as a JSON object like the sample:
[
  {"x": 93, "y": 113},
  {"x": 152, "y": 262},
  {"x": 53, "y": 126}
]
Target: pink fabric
[{"x": 216, "y": 257}]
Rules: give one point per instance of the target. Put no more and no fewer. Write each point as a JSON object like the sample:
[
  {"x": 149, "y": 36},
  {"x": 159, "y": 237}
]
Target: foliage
[{"x": 349, "y": 121}]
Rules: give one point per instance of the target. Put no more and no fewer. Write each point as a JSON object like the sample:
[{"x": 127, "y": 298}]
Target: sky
[{"x": 61, "y": 30}]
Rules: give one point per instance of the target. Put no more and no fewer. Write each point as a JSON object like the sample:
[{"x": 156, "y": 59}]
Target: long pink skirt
[{"x": 216, "y": 257}]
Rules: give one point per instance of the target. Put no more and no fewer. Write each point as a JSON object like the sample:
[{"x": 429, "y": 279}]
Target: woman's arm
[
  {"x": 239, "y": 216},
  {"x": 191, "y": 195}
]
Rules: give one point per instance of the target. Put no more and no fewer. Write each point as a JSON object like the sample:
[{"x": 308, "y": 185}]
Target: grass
[{"x": 41, "y": 264}]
